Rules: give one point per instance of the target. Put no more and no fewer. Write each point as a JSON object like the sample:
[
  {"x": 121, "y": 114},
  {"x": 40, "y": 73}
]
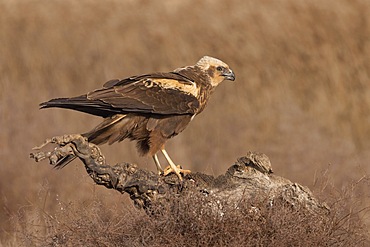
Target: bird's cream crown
[{"x": 207, "y": 61}]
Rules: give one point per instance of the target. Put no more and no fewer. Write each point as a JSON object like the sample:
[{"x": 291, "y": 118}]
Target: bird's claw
[{"x": 177, "y": 170}]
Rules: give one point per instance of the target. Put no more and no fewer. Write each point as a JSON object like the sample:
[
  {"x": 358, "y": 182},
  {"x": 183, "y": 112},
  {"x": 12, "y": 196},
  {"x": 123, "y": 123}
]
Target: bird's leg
[
  {"x": 157, "y": 164},
  {"x": 173, "y": 168}
]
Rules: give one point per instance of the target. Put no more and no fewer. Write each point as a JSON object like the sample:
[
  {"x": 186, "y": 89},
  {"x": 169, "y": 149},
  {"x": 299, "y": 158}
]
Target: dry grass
[
  {"x": 190, "y": 222},
  {"x": 302, "y": 93}
]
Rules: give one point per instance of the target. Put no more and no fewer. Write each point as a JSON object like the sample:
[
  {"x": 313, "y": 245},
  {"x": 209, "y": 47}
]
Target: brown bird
[{"x": 149, "y": 108}]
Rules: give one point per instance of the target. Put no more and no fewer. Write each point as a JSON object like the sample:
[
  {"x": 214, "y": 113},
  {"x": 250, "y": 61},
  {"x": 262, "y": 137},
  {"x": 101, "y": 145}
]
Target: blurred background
[{"x": 301, "y": 95}]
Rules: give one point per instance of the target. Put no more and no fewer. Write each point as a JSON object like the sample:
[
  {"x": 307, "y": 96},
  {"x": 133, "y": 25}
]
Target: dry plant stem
[{"x": 250, "y": 178}]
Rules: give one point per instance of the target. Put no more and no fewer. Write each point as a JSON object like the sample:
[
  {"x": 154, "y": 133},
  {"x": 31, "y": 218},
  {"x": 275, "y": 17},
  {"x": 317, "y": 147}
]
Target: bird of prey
[{"x": 150, "y": 108}]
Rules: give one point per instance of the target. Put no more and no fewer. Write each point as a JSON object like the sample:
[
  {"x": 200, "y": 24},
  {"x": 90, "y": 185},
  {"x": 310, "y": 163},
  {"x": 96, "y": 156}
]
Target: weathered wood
[{"x": 249, "y": 179}]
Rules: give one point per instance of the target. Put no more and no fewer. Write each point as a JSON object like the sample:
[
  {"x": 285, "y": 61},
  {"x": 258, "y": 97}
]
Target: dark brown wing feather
[
  {"x": 144, "y": 94},
  {"x": 140, "y": 94}
]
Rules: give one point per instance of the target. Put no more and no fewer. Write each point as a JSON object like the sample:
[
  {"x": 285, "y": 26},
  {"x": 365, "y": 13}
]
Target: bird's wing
[{"x": 160, "y": 93}]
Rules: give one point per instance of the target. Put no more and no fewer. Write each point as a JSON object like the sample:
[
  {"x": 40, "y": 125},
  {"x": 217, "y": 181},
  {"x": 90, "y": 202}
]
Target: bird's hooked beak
[{"x": 229, "y": 75}]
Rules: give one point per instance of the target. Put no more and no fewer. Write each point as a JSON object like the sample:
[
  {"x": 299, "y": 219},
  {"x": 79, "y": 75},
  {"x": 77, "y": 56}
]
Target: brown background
[{"x": 302, "y": 93}]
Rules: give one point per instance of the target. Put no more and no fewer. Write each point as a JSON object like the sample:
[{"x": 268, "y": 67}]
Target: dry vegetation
[
  {"x": 186, "y": 223},
  {"x": 302, "y": 96}
]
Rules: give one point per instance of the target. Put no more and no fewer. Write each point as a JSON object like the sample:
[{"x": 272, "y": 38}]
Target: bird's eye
[{"x": 219, "y": 68}]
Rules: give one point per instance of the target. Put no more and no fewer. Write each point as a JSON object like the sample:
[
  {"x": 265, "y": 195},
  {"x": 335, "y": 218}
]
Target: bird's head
[{"x": 217, "y": 70}]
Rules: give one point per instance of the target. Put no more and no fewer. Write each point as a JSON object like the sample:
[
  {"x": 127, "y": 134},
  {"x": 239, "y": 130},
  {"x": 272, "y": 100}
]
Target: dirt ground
[{"x": 301, "y": 95}]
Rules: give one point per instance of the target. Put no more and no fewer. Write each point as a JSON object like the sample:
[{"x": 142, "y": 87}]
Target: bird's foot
[{"x": 175, "y": 169}]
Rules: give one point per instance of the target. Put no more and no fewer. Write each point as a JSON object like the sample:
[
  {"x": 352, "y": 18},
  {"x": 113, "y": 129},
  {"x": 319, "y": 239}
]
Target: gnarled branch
[{"x": 247, "y": 180}]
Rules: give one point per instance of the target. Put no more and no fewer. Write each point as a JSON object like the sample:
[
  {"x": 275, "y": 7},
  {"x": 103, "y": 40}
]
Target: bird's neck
[{"x": 204, "y": 95}]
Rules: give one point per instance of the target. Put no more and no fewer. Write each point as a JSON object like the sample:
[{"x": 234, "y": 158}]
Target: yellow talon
[{"x": 177, "y": 170}]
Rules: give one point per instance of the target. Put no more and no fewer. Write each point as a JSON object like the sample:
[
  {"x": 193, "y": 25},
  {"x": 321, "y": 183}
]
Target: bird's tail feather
[
  {"x": 65, "y": 161},
  {"x": 110, "y": 130},
  {"x": 107, "y": 131},
  {"x": 82, "y": 104},
  {"x": 92, "y": 136}
]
